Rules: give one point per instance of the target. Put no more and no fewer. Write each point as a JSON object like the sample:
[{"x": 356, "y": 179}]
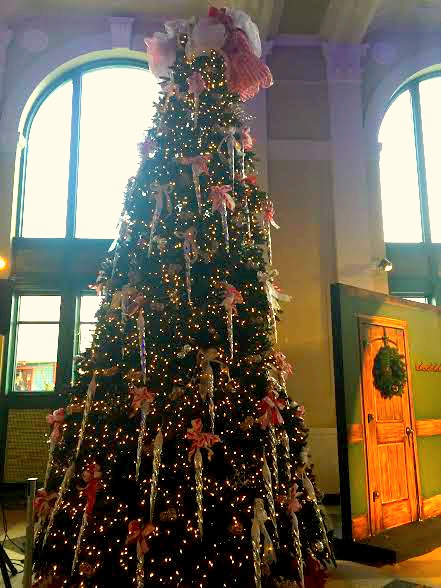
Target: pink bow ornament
[
  {"x": 293, "y": 504},
  {"x": 147, "y": 147},
  {"x": 161, "y": 54},
  {"x": 44, "y": 502},
  {"x": 56, "y": 421},
  {"x": 169, "y": 89},
  {"x": 281, "y": 364}
]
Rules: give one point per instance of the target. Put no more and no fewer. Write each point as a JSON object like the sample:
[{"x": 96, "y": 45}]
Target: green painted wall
[{"x": 424, "y": 338}]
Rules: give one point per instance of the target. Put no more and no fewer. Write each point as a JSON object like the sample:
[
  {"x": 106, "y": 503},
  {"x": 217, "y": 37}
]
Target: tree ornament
[
  {"x": 56, "y": 421},
  {"x": 199, "y": 440},
  {"x": 221, "y": 202},
  {"x": 258, "y": 530},
  {"x": 236, "y": 527},
  {"x": 86, "y": 569},
  {"x": 142, "y": 400},
  {"x": 196, "y": 85},
  {"x": 232, "y": 297},
  {"x": 199, "y": 167},
  {"x": 161, "y": 194},
  {"x": 191, "y": 253},
  {"x": 157, "y": 453},
  {"x": 389, "y": 371},
  {"x": 92, "y": 477},
  {"x": 140, "y": 534},
  {"x": 168, "y": 516}
]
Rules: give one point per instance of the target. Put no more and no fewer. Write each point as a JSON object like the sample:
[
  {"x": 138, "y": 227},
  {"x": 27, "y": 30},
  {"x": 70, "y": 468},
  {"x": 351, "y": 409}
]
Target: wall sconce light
[
  {"x": 385, "y": 265},
  {"x": 3, "y": 263}
]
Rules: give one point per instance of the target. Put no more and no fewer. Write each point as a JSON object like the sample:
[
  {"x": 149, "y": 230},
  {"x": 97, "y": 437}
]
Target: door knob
[
  {"x": 370, "y": 417},
  {"x": 409, "y": 431},
  {"x": 375, "y": 494}
]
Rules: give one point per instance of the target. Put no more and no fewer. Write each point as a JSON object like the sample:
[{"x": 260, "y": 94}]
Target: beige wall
[{"x": 300, "y": 183}]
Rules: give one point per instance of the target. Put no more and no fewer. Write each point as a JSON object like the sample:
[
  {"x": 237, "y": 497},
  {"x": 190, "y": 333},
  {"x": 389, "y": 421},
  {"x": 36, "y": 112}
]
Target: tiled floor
[{"x": 417, "y": 572}]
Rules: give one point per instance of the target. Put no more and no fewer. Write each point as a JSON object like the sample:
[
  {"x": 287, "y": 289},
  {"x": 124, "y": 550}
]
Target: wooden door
[{"x": 392, "y": 470}]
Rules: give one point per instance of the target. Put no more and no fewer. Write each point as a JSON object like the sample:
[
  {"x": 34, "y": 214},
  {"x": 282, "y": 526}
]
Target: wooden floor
[{"x": 419, "y": 571}]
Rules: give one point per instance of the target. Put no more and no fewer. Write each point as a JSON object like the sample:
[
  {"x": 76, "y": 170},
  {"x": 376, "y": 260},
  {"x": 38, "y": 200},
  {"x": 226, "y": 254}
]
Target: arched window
[
  {"x": 410, "y": 176},
  {"x": 81, "y": 147},
  {"x": 410, "y": 168}
]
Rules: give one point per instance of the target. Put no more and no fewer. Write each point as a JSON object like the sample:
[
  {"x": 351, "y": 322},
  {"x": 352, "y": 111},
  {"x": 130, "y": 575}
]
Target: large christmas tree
[{"x": 180, "y": 460}]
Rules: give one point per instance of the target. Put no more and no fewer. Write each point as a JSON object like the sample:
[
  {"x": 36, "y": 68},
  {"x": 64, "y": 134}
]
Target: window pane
[
  {"x": 421, "y": 299},
  {"x": 88, "y": 308},
  {"x": 430, "y": 95},
  {"x": 36, "y": 357},
  {"x": 86, "y": 334},
  {"x": 398, "y": 174},
  {"x": 39, "y": 308},
  {"x": 116, "y": 108},
  {"x": 47, "y": 167}
]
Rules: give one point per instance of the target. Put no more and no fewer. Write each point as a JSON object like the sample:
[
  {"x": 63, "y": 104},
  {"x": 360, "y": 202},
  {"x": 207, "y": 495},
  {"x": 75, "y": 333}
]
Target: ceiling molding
[{"x": 348, "y": 21}]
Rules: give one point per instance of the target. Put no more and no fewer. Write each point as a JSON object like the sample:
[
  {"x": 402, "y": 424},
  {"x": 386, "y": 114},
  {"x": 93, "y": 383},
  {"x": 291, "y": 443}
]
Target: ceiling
[{"x": 344, "y": 20}]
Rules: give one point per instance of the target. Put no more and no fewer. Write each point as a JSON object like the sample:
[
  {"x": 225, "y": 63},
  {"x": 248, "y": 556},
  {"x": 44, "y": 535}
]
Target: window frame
[
  {"x": 12, "y": 345},
  {"x": 425, "y": 284},
  {"x": 74, "y": 75}
]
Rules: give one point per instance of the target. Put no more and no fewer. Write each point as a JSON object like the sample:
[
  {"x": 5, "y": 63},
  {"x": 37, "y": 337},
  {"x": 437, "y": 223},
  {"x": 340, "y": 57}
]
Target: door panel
[{"x": 390, "y": 443}]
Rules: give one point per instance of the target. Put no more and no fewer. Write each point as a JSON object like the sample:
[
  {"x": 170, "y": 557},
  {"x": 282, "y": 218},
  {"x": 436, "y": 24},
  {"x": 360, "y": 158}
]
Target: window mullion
[
  {"x": 65, "y": 341},
  {"x": 74, "y": 156},
  {"x": 12, "y": 344},
  {"x": 421, "y": 165}
]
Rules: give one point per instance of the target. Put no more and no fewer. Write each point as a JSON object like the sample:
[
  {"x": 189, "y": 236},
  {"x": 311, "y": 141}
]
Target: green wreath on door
[{"x": 389, "y": 371}]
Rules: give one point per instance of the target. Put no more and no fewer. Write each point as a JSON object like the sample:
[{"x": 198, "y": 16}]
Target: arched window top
[
  {"x": 81, "y": 139},
  {"x": 410, "y": 173}
]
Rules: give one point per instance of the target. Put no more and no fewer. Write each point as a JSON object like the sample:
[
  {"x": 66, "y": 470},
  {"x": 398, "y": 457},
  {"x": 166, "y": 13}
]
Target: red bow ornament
[
  {"x": 199, "y": 439},
  {"x": 270, "y": 407},
  {"x": 232, "y": 297},
  {"x": 139, "y": 534},
  {"x": 142, "y": 398},
  {"x": 56, "y": 421},
  {"x": 267, "y": 217},
  {"x": 44, "y": 502},
  {"x": 92, "y": 476}
]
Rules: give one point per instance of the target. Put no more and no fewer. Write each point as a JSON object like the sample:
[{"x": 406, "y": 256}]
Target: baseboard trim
[
  {"x": 432, "y": 506},
  {"x": 360, "y": 527}
]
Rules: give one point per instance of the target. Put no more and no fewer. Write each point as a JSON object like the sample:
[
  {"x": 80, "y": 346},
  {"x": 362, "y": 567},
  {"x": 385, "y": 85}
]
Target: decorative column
[
  {"x": 121, "y": 29},
  {"x": 355, "y": 257},
  {"x": 5, "y": 39},
  {"x": 376, "y": 232}
]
